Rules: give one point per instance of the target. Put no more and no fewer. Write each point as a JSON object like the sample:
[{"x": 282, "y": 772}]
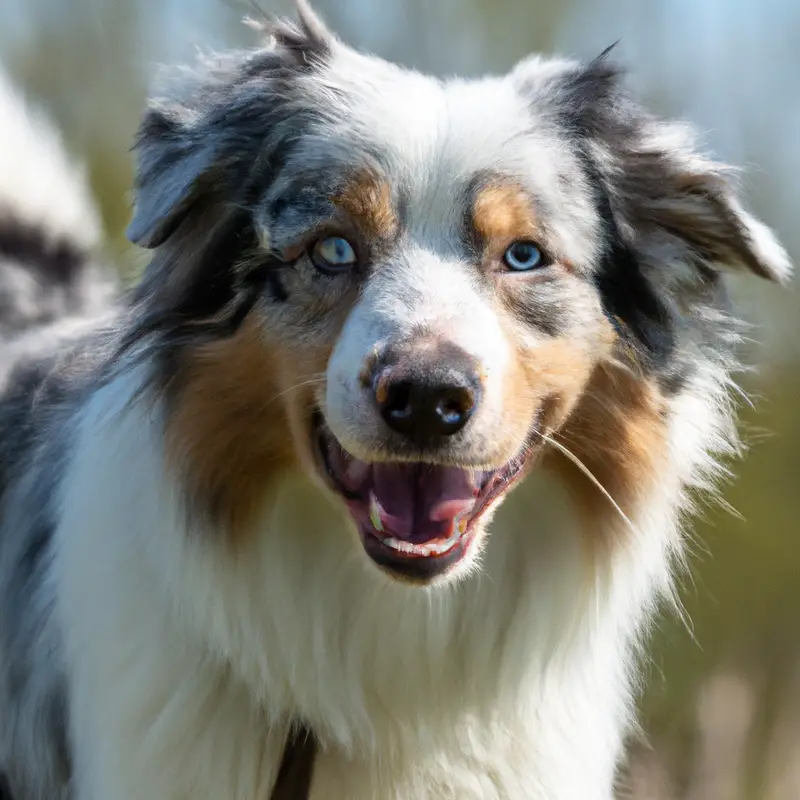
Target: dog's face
[
  {"x": 448, "y": 260},
  {"x": 435, "y": 272}
]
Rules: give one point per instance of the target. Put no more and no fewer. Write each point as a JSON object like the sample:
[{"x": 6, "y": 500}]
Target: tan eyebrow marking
[
  {"x": 502, "y": 213},
  {"x": 367, "y": 198}
]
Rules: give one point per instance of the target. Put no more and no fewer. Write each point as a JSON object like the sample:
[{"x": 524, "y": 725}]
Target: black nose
[
  {"x": 417, "y": 409},
  {"x": 427, "y": 393}
]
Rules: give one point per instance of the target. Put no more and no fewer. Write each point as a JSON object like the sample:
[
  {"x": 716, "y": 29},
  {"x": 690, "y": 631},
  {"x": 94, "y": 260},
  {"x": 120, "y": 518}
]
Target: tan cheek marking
[
  {"x": 502, "y": 214},
  {"x": 225, "y": 434},
  {"x": 552, "y": 375},
  {"x": 556, "y": 369},
  {"x": 618, "y": 430},
  {"x": 368, "y": 201},
  {"x": 544, "y": 380}
]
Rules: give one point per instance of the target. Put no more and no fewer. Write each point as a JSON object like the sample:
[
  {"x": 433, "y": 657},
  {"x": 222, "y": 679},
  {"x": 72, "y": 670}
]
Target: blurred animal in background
[{"x": 251, "y": 542}]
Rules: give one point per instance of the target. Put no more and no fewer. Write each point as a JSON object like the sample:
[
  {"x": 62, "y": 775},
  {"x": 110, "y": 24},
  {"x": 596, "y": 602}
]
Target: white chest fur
[{"x": 186, "y": 658}]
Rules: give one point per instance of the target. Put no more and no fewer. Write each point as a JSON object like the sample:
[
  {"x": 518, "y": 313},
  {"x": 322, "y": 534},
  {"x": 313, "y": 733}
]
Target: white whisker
[
  {"x": 567, "y": 453},
  {"x": 300, "y": 385}
]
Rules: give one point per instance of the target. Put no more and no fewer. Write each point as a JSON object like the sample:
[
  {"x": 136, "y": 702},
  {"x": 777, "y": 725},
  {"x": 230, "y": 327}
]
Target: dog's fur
[{"x": 177, "y": 581}]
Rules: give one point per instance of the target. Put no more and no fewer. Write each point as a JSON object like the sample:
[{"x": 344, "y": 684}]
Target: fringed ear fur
[
  {"x": 191, "y": 149},
  {"x": 683, "y": 196},
  {"x": 658, "y": 185}
]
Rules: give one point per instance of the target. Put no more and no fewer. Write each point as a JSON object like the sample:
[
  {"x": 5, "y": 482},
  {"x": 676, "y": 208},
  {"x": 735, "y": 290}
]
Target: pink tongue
[{"x": 419, "y": 502}]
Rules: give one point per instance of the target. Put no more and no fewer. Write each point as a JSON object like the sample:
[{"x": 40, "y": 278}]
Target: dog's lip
[{"x": 413, "y": 552}]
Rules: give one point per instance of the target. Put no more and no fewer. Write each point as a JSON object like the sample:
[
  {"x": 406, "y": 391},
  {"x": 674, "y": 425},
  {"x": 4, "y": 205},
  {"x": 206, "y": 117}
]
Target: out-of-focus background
[{"x": 721, "y": 711}]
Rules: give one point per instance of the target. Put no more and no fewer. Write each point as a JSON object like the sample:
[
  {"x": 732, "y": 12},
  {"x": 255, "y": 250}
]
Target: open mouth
[{"x": 416, "y": 519}]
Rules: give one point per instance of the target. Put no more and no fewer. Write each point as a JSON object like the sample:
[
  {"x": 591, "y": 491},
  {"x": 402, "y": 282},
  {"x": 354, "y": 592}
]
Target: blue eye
[
  {"x": 523, "y": 256},
  {"x": 333, "y": 253}
]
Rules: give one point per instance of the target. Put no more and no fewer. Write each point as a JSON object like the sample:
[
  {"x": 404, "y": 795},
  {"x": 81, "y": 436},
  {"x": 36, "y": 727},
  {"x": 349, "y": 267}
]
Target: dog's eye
[
  {"x": 333, "y": 254},
  {"x": 523, "y": 256}
]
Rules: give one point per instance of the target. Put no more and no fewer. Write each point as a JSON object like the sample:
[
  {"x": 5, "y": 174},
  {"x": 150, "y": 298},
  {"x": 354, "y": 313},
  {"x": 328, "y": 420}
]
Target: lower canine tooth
[{"x": 375, "y": 513}]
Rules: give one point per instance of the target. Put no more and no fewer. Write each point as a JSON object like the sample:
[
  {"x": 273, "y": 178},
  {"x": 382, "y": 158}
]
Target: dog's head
[{"x": 410, "y": 286}]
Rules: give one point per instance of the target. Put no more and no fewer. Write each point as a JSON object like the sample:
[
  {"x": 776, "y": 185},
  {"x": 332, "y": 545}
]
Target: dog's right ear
[
  {"x": 200, "y": 145},
  {"x": 173, "y": 167}
]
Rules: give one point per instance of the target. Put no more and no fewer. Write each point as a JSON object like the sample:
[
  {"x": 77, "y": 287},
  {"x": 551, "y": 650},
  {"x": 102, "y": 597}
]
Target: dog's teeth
[
  {"x": 375, "y": 513},
  {"x": 400, "y": 545},
  {"x": 476, "y": 479},
  {"x": 426, "y": 549}
]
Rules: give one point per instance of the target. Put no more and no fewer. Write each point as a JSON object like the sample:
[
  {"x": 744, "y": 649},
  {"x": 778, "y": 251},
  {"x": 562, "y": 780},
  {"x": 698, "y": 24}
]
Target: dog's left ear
[
  {"x": 201, "y": 143},
  {"x": 670, "y": 203},
  {"x": 669, "y": 193}
]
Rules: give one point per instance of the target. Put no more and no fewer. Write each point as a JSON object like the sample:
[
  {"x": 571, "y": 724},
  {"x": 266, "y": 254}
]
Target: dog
[{"x": 250, "y": 520}]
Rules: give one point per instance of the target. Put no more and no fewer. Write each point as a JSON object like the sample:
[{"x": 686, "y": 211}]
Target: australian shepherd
[{"x": 251, "y": 542}]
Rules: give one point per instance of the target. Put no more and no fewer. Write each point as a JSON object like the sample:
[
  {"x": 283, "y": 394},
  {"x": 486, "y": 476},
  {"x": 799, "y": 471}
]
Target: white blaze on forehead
[
  {"x": 419, "y": 120},
  {"x": 421, "y": 292},
  {"x": 436, "y": 136}
]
